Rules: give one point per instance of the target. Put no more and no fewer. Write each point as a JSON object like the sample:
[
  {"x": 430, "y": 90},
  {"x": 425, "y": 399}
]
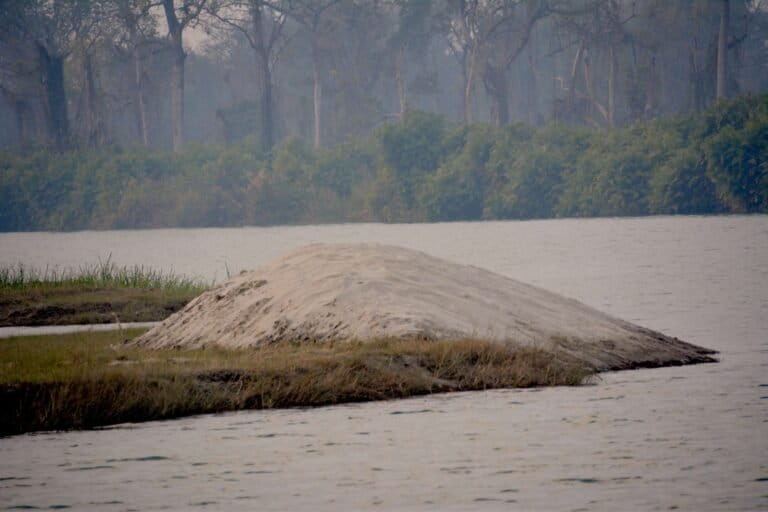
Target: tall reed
[{"x": 104, "y": 274}]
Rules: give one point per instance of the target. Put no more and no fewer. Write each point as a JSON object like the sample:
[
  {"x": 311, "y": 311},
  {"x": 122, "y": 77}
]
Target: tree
[
  {"x": 598, "y": 28},
  {"x": 504, "y": 47},
  {"x": 262, "y": 26},
  {"x": 135, "y": 19},
  {"x": 54, "y": 28},
  {"x": 356, "y": 52},
  {"x": 311, "y": 15},
  {"x": 178, "y": 18},
  {"x": 90, "y": 37},
  {"x": 486, "y": 37},
  {"x": 411, "y": 35},
  {"x": 470, "y": 22},
  {"x": 722, "y": 49},
  {"x": 20, "y": 85}
]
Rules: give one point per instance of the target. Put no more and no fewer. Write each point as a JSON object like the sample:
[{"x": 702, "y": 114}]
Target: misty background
[{"x": 284, "y": 111}]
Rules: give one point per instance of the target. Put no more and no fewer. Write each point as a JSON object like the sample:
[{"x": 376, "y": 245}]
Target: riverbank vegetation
[
  {"x": 424, "y": 168},
  {"x": 85, "y": 380},
  {"x": 99, "y": 293}
]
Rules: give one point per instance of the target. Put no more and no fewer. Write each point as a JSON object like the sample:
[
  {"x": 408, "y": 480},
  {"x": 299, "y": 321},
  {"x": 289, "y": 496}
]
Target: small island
[{"x": 322, "y": 325}]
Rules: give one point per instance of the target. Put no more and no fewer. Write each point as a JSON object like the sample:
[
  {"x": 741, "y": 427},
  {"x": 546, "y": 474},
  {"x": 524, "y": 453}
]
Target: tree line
[
  {"x": 162, "y": 74},
  {"x": 423, "y": 168}
]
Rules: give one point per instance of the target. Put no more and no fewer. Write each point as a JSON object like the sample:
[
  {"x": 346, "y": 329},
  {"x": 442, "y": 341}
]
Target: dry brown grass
[{"x": 88, "y": 380}]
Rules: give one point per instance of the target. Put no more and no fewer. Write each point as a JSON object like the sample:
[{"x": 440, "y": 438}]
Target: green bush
[
  {"x": 456, "y": 191},
  {"x": 423, "y": 168},
  {"x": 530, "y": 169},
  {"x": 681, "y": 186}
]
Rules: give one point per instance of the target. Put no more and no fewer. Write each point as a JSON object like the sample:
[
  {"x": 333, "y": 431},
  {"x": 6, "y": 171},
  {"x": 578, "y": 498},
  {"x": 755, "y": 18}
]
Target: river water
[{"x": 685, "y": 438}]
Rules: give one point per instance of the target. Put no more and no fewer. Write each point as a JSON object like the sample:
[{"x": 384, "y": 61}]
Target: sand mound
[{"x": 364, "y": 292}]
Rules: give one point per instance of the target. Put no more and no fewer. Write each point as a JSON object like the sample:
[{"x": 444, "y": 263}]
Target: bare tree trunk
[
  {"x": 267, "y": 87},
  {"x": 497, "y": 86},
  {"x": 130, "y": 20},
  {"x": 587, "y": 61},
  {"x": 177, "y": 99},
  {"x": 594, "y": 102},
  {"x": 89, "y": 113},
  {"x": 469, "y": 84},
  {"x": 317, "y": 98},
  {"x": 734, "y": 86},
  {"x": 649, "y": 109},
  {"x": 19, "y": 108},
  {"x": 571, "y": 102},
  {"x": 52, "y": 71},
  {"x": 267, "y": 111},
  {"x": 399, "y": 80},
  {"x": 612, "y": 65},
  {"x": 694, "y": 83},
  {"x": 175, "y": 33},
  {"x": 502, "y": 104},
  {"x": 722, "y": 50},
  {"x": 533, "y": 90},
  {"x": 142, "y": 122}
]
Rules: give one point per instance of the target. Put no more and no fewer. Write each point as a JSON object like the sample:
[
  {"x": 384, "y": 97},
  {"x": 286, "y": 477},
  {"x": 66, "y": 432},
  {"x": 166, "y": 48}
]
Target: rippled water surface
[{"x": 685, "y": 438}]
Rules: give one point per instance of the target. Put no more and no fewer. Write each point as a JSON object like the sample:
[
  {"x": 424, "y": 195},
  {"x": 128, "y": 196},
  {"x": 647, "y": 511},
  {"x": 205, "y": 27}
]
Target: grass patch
[
  {"x": 97, "y": 276},
  {"x": 100, "y": 293},
  {"x": 86, "y": 380}
]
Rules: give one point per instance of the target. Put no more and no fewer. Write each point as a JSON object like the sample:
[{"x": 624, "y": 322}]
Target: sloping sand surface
[{"x": 366, "y": 291}]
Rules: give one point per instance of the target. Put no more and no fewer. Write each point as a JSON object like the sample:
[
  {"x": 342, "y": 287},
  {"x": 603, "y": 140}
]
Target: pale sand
[{"x": 366, "y": 291}]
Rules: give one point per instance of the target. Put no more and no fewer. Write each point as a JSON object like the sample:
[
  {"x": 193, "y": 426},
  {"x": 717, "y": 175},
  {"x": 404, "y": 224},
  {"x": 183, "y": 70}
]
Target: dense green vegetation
[
  {"x": 105, "y": 274},
  {"x": 100, "y": 293},
  {"x": 85, "y": 380},
  {"x": 422, "y": 169}
]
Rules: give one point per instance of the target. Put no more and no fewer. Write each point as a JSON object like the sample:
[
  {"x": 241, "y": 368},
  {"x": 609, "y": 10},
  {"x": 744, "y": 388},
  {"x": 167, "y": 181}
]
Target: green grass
[
  {"x": 86, "y": 380},
  {"x": 96, "y": 276},
  {"x": 99, "y": 293}
]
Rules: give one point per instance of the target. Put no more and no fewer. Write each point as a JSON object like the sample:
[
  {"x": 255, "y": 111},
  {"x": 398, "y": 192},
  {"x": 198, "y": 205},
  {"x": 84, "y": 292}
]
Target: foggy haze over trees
[
  {"x": 84, "y": 73},
  {"x": 290, "y": 82}
]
